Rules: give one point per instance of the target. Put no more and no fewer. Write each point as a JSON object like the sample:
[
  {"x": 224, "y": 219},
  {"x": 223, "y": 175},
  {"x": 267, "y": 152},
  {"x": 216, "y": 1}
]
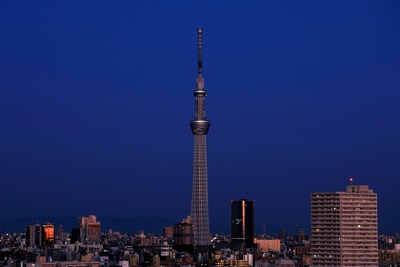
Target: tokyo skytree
[{"x": 200, "y": 125}]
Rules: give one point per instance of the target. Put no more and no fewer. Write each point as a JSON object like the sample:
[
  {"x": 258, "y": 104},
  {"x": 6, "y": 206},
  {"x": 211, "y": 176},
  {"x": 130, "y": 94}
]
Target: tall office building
[
  {"x": 33, "y": 235},
  {"x": 344, "y": 228},
  {"x": 39, "y": 235},
  {"x": 242, "y": 223},
  {"x": 89, "y": 229},
  {"x": 48, "y": 234},
  {"x": 200, "y": 125},
  {"x": 183, "y": 237}
]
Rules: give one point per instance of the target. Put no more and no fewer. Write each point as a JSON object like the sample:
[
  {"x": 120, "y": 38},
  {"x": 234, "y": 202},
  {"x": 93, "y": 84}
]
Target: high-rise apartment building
[
  {"x": 200, "y": 126},
  {"x": 242, "y": 223},
  {"x": 344, "y": 228}
]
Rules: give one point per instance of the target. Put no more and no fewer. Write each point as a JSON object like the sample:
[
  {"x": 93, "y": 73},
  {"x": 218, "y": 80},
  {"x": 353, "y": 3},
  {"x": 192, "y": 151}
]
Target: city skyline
[{"x": 96, "y": 99}]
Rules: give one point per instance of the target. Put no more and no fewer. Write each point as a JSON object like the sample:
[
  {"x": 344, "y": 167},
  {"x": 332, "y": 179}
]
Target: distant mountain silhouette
[{"x": 128, "y": 225}]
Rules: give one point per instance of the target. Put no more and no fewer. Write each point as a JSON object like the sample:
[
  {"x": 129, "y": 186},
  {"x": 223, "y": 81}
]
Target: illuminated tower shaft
[{"x": 200, "y": 126}]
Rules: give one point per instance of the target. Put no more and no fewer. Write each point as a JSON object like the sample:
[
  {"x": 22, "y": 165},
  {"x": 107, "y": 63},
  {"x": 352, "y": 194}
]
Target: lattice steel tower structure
[{"x": 200, "y": 125}]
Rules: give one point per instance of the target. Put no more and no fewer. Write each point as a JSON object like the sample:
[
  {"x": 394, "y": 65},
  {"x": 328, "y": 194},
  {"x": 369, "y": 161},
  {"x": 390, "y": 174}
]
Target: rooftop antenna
[
  {"x": 264, "y": 232},
  {"x": 351, "y": 181}
]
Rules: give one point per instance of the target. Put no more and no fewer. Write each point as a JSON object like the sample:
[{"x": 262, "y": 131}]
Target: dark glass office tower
[
  {"x": 200, "y": 126},
  {"x": 242, "y": 223}
]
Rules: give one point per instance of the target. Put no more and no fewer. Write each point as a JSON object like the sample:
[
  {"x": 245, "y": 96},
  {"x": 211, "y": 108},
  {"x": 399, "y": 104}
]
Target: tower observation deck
[{"x": 200, "y": 125}]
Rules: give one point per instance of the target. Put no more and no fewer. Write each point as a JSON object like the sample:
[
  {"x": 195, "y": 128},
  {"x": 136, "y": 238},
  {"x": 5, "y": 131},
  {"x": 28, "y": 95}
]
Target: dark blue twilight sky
[{"x": 96, "y": 98}]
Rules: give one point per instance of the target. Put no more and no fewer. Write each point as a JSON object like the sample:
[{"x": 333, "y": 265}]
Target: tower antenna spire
[{"x": 199, "y": 52}]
